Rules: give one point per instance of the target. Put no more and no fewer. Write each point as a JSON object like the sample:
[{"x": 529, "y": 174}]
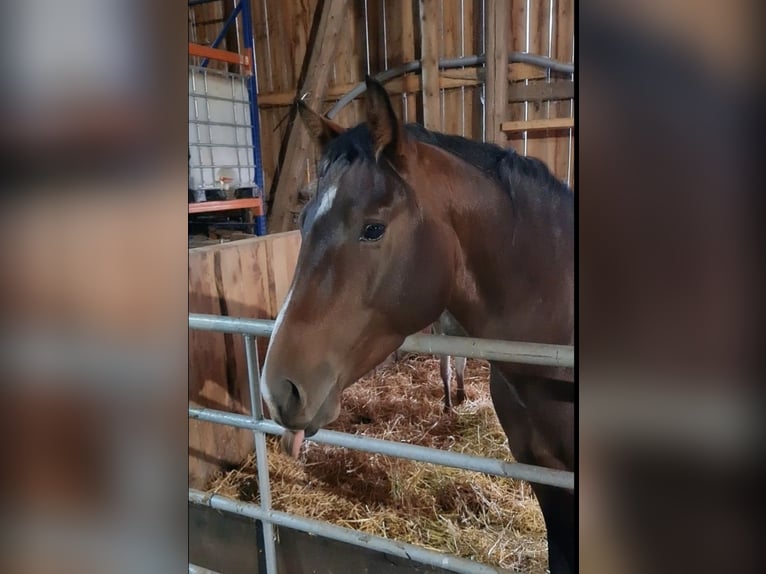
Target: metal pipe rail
[
  {"x": 469, "y": 347},
  {"x": 204, "y": 96},
  {"x": 215, "y": 144},
  {"x": 558, "y": 355},
  {"x": 492, "y": 466},
  {"x": 221, "y": 124},
  {"x": 341, "y": 534},
  {"x": 211, "y": 165},
  {"x": 447, "y": 64}
]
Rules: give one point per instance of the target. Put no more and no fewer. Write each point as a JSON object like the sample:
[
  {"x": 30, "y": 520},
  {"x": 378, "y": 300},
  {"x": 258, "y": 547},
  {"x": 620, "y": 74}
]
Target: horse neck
[{"x": 513, "y": 268}]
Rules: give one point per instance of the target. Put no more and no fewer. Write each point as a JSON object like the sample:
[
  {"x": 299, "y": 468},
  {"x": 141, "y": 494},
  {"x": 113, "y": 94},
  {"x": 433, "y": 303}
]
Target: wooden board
[
  {"x": 318, "y": 66},
  {"x": 538, "y": 125},
  {"x": 429, "y": 49},
  {"x": 496, "y": 19},
  {"x": 247, "y": 278},
  {"x": 253, "y": 203},
  {"x": 402, "y": 40},
  {"x": 451, "y": 100}
]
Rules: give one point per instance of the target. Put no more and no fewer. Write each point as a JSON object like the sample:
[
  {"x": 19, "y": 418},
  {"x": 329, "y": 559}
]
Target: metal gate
[{"x": 530, "y": 353}]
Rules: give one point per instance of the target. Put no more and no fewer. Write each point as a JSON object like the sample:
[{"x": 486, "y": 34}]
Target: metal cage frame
[{"x": 247, "y": 61}]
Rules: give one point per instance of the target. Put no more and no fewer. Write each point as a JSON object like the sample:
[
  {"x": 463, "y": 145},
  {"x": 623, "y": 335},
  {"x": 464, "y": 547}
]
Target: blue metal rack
[{"x": 243, "y": 10}]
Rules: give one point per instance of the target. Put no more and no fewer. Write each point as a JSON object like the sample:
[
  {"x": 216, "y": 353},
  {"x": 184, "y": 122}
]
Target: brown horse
[
  {"x": 407, "y": 223},
  {"x": 438, "y": 328}
]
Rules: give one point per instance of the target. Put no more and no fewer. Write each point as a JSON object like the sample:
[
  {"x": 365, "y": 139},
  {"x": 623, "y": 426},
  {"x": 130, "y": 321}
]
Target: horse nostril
[{"x": 295, "y": 394}]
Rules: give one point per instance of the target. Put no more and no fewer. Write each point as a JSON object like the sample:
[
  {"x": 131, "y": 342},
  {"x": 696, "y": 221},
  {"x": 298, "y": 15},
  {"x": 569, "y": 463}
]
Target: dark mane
[
  {"x": 512, "y": 171},
  {"x": 505, "y": 166}
]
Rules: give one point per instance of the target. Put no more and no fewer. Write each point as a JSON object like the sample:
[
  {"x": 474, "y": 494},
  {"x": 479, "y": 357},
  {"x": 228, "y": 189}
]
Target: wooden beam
[
  {"x": 523, "y": 71},
  {"x": 253, "y": 203},
  {"x": 314, "y": 85},
  {"x": 540, "y": 92},
  {"x": 537, "y": 125},
  {"x": 232, "y": 43},
  {"x": 496, "y": 90},
  {"x": 429, "y": 52}
]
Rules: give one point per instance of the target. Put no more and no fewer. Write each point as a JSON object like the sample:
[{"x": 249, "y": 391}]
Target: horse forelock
[
  {"x": 350, "y": 149},
  {"x": 352, "y": 145}
]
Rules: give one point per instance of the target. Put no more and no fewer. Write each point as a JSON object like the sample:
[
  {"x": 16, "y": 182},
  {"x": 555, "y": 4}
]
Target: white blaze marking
[
  {"x": 325, "y": 204},
  {"x": 277, "y": 324}
]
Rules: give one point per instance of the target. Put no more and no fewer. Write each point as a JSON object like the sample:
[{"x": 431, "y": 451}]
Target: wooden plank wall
[
  {"x": 381, "y": 34},
  {"x": 247, "y": 278},
  {"x": 544, "y": 27}
]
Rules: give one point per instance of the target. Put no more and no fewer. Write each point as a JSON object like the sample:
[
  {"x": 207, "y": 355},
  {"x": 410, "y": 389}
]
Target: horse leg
[
  {"x": 445, "y": 370},
  {"x": 519, "y": 415},
  {"x": 390, "y": 360},
  {"x": 558, "y": 511},
  {"x": 459, "y": 375}
]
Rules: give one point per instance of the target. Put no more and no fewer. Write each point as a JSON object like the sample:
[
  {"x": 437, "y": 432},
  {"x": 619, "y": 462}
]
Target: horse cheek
[{"x": 427, "y": 291}]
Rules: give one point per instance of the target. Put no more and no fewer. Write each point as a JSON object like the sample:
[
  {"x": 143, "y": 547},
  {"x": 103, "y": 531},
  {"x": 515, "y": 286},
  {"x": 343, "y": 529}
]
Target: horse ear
[
  {"x": 386, "y": 131},
  {"x": 320, "y": 129}
]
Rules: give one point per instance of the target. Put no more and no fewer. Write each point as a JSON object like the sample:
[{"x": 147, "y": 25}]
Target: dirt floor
[{"x": 490, "y": 519}]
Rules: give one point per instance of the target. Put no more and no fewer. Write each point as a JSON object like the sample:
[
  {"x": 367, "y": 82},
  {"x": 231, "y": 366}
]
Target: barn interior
[{"x": 488, "y": 70}]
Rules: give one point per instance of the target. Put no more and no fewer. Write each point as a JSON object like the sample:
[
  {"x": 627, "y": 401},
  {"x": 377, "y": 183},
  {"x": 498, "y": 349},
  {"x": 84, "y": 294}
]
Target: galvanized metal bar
[
  {"x": 347, "y": 535},
  {"x": 495, "y": 467},
  {"x": 208, "y": 115},
  {"x": 253, "y": 377},
  {"x": 212, "y": 166},
  {"x": 201, "y": 181},
  {"x": 249, "y": 175},
  {"x": 469, "y": 347},
  {"x": 216, "y": 72},
  {"x": 225, "y": 145},
  {"x": 220, "y": 98},
  {"x": 222, "y": 124},
  {"x": 236, "y": 131},
  {"x": 261, "y": 453}
]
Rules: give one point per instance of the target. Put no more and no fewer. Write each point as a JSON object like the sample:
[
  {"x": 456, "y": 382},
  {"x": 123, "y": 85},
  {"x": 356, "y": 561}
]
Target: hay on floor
[{"x": 490, "y": 519}]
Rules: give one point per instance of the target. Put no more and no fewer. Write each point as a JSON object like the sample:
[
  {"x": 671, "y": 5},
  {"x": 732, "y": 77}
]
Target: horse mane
[{"x": 513, "y": 172}]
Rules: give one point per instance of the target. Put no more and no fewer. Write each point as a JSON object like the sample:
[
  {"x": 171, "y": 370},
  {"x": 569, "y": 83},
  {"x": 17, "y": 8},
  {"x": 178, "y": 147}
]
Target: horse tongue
[
  {"x": 297, "y": 442},
  {"x": 292, "y": 441}
]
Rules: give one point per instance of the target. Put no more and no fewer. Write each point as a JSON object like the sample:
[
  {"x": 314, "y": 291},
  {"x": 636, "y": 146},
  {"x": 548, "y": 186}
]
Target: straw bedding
[{"x": 490, "y": 519}]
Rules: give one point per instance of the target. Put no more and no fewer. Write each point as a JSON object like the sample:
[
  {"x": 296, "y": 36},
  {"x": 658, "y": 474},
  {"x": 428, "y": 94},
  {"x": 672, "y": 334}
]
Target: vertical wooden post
[
  {"x": 429, "y": 53},
  {"x": 320, "y": 57},
  {"x": 231, "y": 33},
  {"x": 496, "y": 87}
]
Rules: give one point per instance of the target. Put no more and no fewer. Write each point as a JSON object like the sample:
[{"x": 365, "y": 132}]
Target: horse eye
[{"x": 372, "y": 232}]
